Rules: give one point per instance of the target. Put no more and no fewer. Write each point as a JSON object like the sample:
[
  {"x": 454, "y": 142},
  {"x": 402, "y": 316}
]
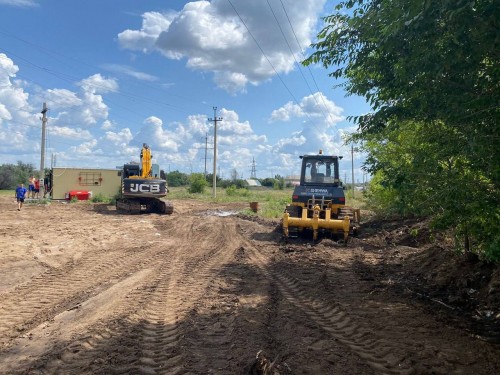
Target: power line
[
  {"x": 72, "y": 79},
  {"x": 80, "y": 62},
  {"x": 302, "y": 52},
  {"x": 289, "y": 47},
  {"x": 263, "y": 53}
]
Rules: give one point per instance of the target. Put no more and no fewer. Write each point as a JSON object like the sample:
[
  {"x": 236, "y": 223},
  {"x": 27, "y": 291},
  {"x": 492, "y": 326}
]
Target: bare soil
[{"x": 206, "y": 290}]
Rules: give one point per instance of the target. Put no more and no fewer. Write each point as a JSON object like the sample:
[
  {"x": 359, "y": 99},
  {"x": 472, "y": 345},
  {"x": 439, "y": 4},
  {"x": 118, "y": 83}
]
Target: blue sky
[{"x": 117, "y": 74}]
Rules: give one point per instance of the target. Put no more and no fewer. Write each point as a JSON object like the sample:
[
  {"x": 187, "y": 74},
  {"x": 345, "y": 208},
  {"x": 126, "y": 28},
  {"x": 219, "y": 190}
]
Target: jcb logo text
[{"x": 136, "y": 188}]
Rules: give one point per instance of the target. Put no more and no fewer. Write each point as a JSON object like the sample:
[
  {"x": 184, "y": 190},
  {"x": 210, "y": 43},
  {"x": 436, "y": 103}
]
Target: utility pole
[
  {"x": 206, "y": 150},
  {"x": 44, "y": 126},
  {"x": 352, "y": 168},
  {"x": 215, "y": 120}
]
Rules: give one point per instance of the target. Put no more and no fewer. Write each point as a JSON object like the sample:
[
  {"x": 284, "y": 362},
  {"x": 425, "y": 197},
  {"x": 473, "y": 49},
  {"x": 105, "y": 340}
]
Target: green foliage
[
  {"x": 271, "y": 202},
  {"x": 197, "y": 182},
  {"x": 42, "y": 201},
  {"x": 219, "y": 181},
  {"x": 233, "y": 190},
  {"x": 419, "y": 170},
  {"x": 177, "y": 178},
  {"x": 238, "y": 183},
  {"x": 279, "y": 183},
  {"x": 100, "y": 198},
  {"x": 12, "y": 175},
  {"x": 429, "y": 69}
]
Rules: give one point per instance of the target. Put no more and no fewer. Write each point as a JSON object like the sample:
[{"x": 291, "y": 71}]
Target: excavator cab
[{"x": 131, "y": 170}]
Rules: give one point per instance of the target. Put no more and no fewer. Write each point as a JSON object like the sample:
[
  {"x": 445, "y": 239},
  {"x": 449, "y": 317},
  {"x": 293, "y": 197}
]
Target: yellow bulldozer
[{"x": 318, "y": 203}]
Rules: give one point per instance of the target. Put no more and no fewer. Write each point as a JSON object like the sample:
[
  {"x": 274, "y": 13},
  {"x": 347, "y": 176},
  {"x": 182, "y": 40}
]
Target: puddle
[{"x": 218, "y": 213}]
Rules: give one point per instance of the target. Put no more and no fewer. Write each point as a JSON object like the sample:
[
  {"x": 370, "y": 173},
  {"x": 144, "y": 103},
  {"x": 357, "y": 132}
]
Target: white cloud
[
  {"x": 81, "y": 117},
  {"x": 107, "y": 125},
  {"x": 17, "y": 122},
  {"x": 231, "y": 82},
  {"x": 87, "y": 148},
  {"x": 70, "y": 133},
  {"x": 153, "y": 23},
  {"x": 81, "y": 109},
  {"x": 62, "y": 98},
  {"x": 214, "y": 36},
  {"x": 121, "y": 138},
  {"x": 98, "y": 84},
  {"x": 4, "y": 113},
  {"x": 318, "y": 119},
  {"x": 127, "y": 70},
  {"x": 19, "y": 3},
  {"x": 8, "y": 70},
  {"x": 316, "y": 106},
  {"x": 158, "y": 138}
]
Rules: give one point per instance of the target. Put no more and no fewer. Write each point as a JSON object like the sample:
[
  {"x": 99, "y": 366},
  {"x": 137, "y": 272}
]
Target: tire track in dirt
[
  {"x": 218, "y": 244},
  {"x": 335, "y": 321},
  {"x": 377, "y": 353},
  {"x": 148, "y": 340},
  {"x": 57, "y": 290}
]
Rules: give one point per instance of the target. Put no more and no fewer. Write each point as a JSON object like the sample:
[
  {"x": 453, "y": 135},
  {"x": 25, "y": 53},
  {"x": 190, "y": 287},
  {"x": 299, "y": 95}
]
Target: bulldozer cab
[{"x": 317, "y": 170}]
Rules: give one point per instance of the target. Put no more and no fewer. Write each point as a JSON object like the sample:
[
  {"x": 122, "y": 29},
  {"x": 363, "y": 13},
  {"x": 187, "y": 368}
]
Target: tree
[
  {"x": 197, "y": 183},
  {"x": 209, "y": 178},
  {"x": 269, "y": 182},
  {"x": 176, "y": 178},
  {"x": 279, "y": 182},
  {"x": 430, "y": 71},
  {"x": 11, "y": 175}
]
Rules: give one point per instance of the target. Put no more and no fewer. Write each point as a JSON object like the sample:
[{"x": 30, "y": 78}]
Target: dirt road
[{"x": 84, "y": 290}]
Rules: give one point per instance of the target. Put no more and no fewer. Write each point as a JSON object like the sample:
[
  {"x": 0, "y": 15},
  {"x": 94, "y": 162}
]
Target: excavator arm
[{"x": 146, "y": 161}]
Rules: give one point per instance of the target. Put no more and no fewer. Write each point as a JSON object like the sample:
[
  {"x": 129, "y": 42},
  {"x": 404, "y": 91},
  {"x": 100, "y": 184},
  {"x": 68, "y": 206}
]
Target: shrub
[
  {"x": 100, "y": 198},
  {"x": 197, "y": 182},
  {"x": 232, "y": 190}
]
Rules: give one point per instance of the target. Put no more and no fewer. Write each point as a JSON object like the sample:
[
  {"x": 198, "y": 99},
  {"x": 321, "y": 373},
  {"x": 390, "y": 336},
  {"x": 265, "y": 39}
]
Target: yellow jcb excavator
[{"x": 142, "y": 187}]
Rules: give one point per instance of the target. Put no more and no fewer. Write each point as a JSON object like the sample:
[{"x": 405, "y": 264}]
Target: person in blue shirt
[{"x": 20, "y": 194}]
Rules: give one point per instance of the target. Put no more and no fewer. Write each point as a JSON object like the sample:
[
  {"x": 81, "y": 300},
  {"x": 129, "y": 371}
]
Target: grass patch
[
  {"x": 101, "y": 198},
  {"x": 5, "y": 193},
  {"x": 271, "y": 202}
]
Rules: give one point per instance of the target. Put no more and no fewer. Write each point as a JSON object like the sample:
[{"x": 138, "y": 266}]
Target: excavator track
[
  {"x": 128, "y": 206},
  {"x": 160, "y": 206},
  {"x": 153, "y": 205}
]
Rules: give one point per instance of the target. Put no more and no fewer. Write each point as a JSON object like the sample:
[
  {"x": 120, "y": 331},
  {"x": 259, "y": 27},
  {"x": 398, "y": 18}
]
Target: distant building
[
  {"x": 292, "y": 180},
  {"x": 252, "y": 183},
  {"x": 92, "y": 180}
]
